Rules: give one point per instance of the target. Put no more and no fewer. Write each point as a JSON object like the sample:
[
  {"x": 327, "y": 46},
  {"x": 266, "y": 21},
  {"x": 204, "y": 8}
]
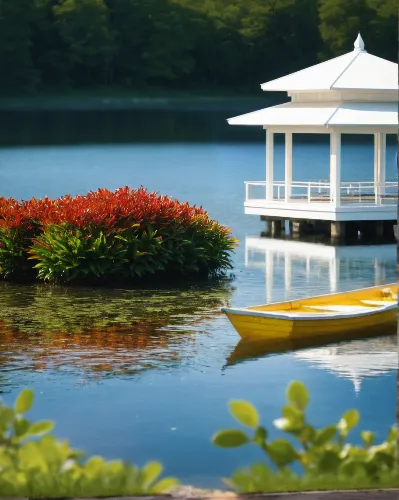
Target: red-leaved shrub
[{"x": 110, "y": 236}]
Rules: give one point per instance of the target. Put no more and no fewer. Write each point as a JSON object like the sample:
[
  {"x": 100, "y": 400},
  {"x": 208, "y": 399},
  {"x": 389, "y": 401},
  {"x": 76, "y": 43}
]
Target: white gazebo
[{"x": 356, "y": 93}]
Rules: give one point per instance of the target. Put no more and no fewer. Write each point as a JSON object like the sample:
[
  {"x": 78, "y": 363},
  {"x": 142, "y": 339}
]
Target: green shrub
[
  {"x": 13, "y": 254},
  {"x": 111, "y": 237},
  {"x": 34, "y": 464},
  {"x": 324, "y": 455}
]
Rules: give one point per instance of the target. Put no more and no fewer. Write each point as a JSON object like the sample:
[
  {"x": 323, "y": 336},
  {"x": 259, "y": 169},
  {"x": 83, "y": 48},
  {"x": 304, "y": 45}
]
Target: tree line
[{"x": 180, "y": 44}]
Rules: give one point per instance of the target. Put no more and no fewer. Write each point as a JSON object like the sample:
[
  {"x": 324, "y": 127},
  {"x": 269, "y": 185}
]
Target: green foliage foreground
[
  {"x": 326, "y": 459},
  {"x": 34, "y": 464},
  {"x": 44, "y": 467}
]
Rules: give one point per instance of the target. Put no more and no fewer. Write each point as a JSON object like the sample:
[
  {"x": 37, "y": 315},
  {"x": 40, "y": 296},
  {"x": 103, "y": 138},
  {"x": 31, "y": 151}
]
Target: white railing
[
  {"x": 366, "y": 192},
  {"x": 369, "y": 192}
]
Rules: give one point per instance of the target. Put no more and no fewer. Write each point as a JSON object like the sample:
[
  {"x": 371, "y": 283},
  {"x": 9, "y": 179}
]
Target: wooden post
[
  {"x": 288, "y": 166},
  {"x": 269, "y": 164},
  {"x": 276, "y": 227},
  {"x": 335, "y": 168},
  {"x": 338, "y": 230}
]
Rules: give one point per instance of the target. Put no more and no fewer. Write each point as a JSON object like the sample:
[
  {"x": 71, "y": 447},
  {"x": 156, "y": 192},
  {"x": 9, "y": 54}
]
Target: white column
[
  {"x": 335, "y": 168},
  {"x": 269, "y": 164},
  {"x": 383, "y": 161},
  {"x": 288, "y": 165},
  {"x": 380, "y": 142},
  {"x": 376, "y": 166}
]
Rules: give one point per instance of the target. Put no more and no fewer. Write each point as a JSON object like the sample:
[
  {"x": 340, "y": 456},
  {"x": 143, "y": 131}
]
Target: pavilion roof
[
  {"x": 356, "y": 70},
  {"x": 328, "y": 114}
]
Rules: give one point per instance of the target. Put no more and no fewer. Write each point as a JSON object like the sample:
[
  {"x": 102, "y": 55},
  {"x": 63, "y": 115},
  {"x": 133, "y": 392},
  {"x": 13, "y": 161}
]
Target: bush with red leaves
[{"x": 110, "y": 237}]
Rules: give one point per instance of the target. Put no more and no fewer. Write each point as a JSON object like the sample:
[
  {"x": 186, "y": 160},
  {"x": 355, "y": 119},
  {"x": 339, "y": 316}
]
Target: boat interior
[{"x": 371, "y": 299}]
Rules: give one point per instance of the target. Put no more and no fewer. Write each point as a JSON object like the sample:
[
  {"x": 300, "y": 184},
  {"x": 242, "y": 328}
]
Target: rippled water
[{"x": 143, "y": 374}]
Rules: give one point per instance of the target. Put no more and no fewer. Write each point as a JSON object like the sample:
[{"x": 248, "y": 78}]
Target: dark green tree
[
  {"x": 340, "y": 22},
  {"x": 49, "y": 52},
  {"x": 17, "y": 70},
  {"x": 384, "y": 28},
  {"x": 83, "y": 28}
]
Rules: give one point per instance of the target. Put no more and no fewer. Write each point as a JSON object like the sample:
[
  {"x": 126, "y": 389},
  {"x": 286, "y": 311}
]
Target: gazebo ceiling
[
  {"x": 325, "y": 114},
  {"x": 356, "y": 70}
]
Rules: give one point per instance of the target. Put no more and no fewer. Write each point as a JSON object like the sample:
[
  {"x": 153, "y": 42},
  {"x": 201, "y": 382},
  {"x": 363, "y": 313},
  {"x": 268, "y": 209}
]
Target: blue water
[{"x": 164, "y": 401}]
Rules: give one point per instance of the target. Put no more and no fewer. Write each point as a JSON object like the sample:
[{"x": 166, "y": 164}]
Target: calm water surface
[{"x": 147, "y": 374}]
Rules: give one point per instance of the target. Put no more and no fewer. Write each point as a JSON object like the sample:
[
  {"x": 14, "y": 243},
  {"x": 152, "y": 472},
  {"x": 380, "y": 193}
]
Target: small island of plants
[{"x": 128, "y": 236}]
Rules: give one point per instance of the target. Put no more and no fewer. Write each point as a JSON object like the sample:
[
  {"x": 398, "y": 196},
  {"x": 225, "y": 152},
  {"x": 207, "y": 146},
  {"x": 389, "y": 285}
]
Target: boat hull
[{"x": 269, "y": 322}]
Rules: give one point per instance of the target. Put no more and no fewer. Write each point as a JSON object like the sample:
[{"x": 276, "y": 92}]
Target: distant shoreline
[{"x": 102, "y": 100}]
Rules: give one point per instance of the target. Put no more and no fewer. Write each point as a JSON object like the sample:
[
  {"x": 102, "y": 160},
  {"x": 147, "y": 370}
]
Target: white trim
[
  {"x": 325, "y": 212},
  {"x": 328, "y": 129},
  {"x": 289, "y": 316}
]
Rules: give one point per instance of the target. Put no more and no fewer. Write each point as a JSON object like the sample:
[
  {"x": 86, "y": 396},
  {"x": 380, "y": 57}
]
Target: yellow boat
[{"x": 367, "y": 310}]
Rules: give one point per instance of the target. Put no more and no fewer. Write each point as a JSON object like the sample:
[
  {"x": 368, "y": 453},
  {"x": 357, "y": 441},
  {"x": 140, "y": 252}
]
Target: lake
[{"x": 147, "y": 374}]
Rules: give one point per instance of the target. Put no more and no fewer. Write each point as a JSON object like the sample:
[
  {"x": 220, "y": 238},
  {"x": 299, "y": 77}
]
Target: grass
[
  {"x": 56, "y": 488},
  {"x": 281, "y": 483}
]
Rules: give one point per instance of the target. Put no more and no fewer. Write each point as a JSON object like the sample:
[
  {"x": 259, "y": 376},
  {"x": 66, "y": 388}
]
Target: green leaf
[
  {"x": 230, "y": 438},
  {"x": 351, "y": 467},
  {"x": 94, "y": 466},
  {"x": 31, "y": 457},
  {"x": 297, "y": 395},
  {"x": 21, "y": 427},
  {"x": 42, "y": 427},
  {"x": 260, "y": 436},
  {"x": 307, "y": 434},
  {"x": 292, "y": 421},
  {"x": 165, "y": 485},
  {"x": 349, "y": 420},
  {"x": 329, "y": 461},
  {"x": 24, "y": 401},
  {"x": 281, "y": 452},
  {"x": 151, "y": 472},
  {"x": 393, "y": 435},
  {"x": 367, "y": 437},
  {"x": 325, "y": 435},
  {"x": 7, "y": 416},
  {"x": 245, "y": 413}
]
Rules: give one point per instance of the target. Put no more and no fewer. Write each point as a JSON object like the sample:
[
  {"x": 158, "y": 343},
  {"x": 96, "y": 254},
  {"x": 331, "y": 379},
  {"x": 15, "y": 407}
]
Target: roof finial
[{"x": 359, "y": 44}]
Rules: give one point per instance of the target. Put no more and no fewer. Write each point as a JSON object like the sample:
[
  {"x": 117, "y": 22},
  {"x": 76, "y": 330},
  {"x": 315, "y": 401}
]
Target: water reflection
[
  {"x": 303, "y": 269},
  {"x": 315, "y": 268},
  {"x": 121, "y": 126},
  {"x": 103, "y": 331},
  {"x": 355, "y": 360}
]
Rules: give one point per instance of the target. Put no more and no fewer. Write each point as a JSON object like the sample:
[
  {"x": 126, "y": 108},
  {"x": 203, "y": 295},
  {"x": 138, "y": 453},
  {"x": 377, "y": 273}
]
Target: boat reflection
[{"x": 355, "y": 359}]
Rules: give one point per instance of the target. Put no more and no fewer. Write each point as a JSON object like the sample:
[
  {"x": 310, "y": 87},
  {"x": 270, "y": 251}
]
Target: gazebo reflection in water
[{"x": 300, "y": 268}]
